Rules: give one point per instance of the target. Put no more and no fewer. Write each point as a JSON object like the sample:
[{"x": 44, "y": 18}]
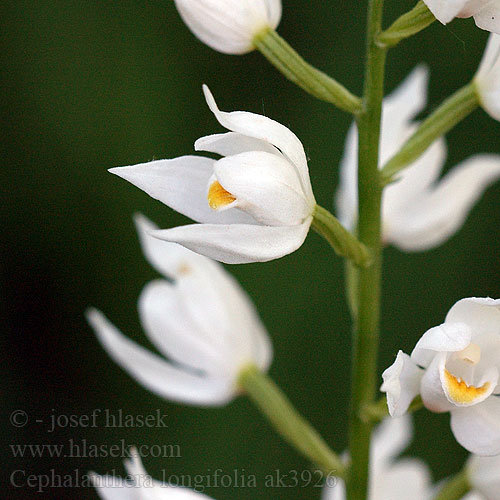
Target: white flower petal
[
  {"x": 407, "y": 479},
  {"x": 238, "y": 243},
  {"x": 487, "y": 79},
  {"x": 274, "y": 10},
  {"x": 232, "y": 143},
  {"x": 401, "y": 384},
  {"x": 442, "y": 211},
  {"x": 481, "y": 314},
  {"x": 477, "y": 428},
  {"x": 156, "y": 374},
  {"x": 474, "y": 496},
  {"x": 448, "y": 337},
  {"x": 431, "y": 388},
  {"x": 266, "y": 186},
  {"x": 390, "y": 479},
  {"x": 490, "y": 57},
  {"x": 113, "y": 488},
  {"x": 484, "y": 474},
  {"x": 391, "y": 438},
  {"x": 399, "y": 110},
  {"x": 335, "y": 491},
  {"x": 181, "y": 183},
  {"x": 224, "y": 313},
  {"x": 406, "y": 191},
  {"x": 168, "y": 326},
  {"x": 445, "y": 10},
  {"x": 346, "y": 198},
  {"x": 170, "y": 259},
  {"x": 263, "y": 128},
  {"x": 488, "y": 18}
]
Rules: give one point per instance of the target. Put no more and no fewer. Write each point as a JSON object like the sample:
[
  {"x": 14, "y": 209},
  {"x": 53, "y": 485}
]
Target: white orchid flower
[
  {"x": 419, "y": 210},
  {"x": 455, "y": 367},
  {"x": 229, "y": 26},
  {"x": 139, "y": 485},
  {"x": 486, "y": 13},
  {"x": 255, "y": 204},
  {"x": 487, "y": 79},
  {"x": 484, "y": 476},
  {"x": 201, "y": 320},
  {"x": 390, "y": 479}
]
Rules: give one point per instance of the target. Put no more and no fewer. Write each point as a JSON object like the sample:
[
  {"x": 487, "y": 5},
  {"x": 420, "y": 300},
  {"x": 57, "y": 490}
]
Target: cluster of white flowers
[{"x": 254, "y": 204}]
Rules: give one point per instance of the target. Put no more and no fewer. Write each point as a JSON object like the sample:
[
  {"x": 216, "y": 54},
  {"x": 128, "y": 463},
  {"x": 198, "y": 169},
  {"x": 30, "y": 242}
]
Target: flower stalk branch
[
  {"x": 340, "y": 239},
  {"x": 292, "y": 426},
  {"x": 409, "y": 24},
  {"x": 286, "y": 60},
  {"x": 451, "y": 112},
  {"x": 376, "y": 412}
]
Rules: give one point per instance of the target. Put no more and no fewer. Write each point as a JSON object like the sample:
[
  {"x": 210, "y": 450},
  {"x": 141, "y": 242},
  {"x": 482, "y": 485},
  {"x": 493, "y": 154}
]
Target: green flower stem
[
  {"x": 409, "y": 24},
  {"x": 277, "y": 51},
  {"x": 450, "y": 113},
  {"x": 455, "y": 488},
  {"x": 366, "y": 328},
  {"x": 351, "y": 277},
  {"x": 376, "y": 412},
  {"x": 340, "y": 239},
  {"x": 294, "y": 428}
]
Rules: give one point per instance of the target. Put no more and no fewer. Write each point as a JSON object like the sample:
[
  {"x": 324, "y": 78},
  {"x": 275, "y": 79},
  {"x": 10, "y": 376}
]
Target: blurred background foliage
[{"x": 94, "y": 84}]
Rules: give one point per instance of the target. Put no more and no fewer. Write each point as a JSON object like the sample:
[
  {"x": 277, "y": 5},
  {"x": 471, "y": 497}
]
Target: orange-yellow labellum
[
  {"x": 462, "y": 393},
  {"x": 218, "y": 197}
]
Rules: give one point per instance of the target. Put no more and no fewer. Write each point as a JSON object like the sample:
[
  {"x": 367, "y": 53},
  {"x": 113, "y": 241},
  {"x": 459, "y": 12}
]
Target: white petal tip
[
  {"x": 143, "y": 225},
  {"x": 93, "y": 315},
  {"x": 209, "y": 97}
]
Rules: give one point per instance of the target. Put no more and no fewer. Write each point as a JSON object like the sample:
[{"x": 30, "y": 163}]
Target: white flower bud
[{"x": 229, "y": 26}]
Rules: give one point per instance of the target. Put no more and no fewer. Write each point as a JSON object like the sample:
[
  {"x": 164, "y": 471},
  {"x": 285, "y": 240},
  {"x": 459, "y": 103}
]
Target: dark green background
[{"x": 94, "y": 84}]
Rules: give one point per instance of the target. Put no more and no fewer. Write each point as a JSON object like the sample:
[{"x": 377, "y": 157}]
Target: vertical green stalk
[{"x": 366, "y": 329}]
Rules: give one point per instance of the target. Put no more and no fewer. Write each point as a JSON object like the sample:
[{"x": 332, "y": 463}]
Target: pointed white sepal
[{"x": 401, "y": 384}]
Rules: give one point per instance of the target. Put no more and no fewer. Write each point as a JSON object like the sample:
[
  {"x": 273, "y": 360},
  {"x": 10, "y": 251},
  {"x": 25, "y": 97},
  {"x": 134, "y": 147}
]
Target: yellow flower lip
[
  {"x": 218, "y": 197},
  {"x": 461, "y": 393}
]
